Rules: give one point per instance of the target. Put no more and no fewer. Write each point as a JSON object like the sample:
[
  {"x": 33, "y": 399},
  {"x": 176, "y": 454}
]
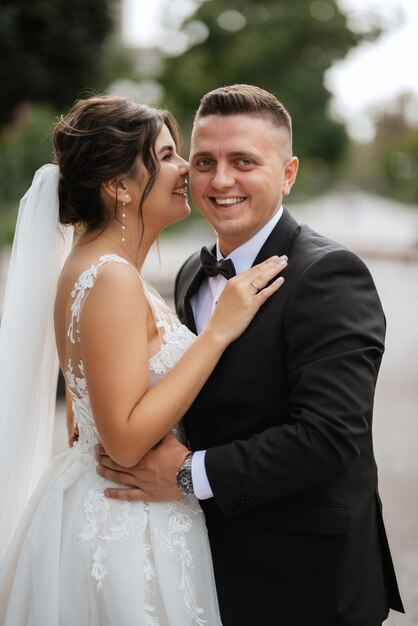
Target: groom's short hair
[{"x": 240, "y": 99}]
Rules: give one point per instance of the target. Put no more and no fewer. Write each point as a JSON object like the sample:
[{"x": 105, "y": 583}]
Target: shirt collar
[{"x": 244, "y": 256}]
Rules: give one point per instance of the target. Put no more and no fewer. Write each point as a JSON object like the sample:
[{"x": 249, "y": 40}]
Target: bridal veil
[{"x": 28, "y": 357}]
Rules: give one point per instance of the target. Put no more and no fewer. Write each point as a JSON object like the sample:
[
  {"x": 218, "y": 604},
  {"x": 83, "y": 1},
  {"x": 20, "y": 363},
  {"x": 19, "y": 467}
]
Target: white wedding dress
[{"x": 81, "y": 559}]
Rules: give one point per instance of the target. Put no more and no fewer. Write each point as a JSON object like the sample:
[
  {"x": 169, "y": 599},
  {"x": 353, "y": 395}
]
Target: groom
[{"x": 282, "y": 431}]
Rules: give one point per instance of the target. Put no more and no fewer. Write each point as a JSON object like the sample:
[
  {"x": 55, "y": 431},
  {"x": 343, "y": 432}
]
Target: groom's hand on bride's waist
[{"x": 153, "y": 479}]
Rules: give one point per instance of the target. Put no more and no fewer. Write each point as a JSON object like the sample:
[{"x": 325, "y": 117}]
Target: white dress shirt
[{"x": 203, "y": 303}]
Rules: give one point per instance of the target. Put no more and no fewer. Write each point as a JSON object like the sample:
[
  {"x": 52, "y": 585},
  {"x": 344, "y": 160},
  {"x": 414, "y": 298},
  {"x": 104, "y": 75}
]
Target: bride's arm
[{"x": 131, "y": 418}]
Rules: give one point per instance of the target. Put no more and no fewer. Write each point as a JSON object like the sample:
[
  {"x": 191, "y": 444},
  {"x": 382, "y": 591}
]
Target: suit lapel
[
  {"x": 281, "y": 239},
  {"x": 194, "y": 285},
  {"x": 188, "y": 282}
]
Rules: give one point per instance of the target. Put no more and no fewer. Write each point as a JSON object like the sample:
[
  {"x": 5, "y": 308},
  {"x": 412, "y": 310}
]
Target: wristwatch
[{"x": 184, "y": 475}]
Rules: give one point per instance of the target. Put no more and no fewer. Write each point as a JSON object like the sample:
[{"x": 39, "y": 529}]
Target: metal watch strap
[{"x": 184, "y": 475}]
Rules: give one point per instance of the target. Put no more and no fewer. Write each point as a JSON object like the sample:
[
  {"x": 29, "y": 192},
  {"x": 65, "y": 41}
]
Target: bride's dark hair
[{"x": 100, "y": 139}]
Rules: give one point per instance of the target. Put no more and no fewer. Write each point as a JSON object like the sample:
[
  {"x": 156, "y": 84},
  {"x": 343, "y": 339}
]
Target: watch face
[
  {"x": 184, "y": 476},
  {"x": 184, "y": 481}
]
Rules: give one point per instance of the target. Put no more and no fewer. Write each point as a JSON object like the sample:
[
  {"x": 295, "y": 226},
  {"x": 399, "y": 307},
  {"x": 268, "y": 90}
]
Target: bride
[{"x": 131, "y": 370}]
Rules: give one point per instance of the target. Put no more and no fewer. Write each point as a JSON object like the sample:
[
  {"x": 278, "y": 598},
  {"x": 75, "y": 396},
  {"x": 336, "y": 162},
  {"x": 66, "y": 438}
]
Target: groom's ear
[{"x": 290, "y": 172}]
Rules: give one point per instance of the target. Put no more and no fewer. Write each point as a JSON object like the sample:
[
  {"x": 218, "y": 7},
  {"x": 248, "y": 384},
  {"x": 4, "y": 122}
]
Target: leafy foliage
[
  {"x": 50, "y": 50},
  {"x": 22, "y": 150},
  {"x": 400, "y": 168},
  {"x": 389, "y": 164},
  {"x": 284, "y": 47}
]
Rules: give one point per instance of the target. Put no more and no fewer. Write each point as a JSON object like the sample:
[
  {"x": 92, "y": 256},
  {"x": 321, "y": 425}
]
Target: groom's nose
[{"x": 223, "y": 177}]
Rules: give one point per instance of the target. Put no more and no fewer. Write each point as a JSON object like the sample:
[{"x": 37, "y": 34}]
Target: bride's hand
[{"x": 243, "y": 296}]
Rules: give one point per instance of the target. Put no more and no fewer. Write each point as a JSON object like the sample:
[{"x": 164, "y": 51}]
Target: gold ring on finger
[{"x": 255, "y": 287}]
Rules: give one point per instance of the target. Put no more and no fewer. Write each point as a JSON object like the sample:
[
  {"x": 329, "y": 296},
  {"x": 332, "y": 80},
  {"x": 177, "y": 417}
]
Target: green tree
[
  {"x": 389, "y": 164},
  {"x": 50, "y": 50},
  {"x": 284, "y": 47}
]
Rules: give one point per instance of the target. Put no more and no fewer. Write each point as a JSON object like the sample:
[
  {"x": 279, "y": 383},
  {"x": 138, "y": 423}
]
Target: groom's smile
[{"x": 227, "y": 201}]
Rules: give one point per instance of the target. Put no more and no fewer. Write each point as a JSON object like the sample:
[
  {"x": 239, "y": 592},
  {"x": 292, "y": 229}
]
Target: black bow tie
[{"x": 213, "y": 267}]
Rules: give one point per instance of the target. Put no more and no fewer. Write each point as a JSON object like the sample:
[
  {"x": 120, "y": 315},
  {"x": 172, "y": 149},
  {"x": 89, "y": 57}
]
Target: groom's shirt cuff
[{"x": 200, "y": 481}]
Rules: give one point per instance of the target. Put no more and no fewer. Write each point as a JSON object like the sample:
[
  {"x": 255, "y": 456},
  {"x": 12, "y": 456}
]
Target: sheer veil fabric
[{"x": 28, "y": 357}]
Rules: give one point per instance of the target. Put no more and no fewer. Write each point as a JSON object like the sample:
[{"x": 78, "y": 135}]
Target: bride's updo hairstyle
[{"x": 101, "y": 138}]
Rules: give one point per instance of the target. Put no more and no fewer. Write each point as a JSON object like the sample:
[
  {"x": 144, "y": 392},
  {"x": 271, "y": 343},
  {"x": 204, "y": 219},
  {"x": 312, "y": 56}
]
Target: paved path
[{"x": 396, "y": 425}]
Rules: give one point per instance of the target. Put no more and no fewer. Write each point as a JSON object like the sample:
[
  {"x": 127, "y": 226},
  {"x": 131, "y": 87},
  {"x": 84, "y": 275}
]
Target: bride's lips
[{"x": 181, "y": 191}]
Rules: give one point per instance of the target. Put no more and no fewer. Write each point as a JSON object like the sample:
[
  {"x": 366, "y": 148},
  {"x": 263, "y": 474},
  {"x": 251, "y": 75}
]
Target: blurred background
[{"x": 345, "y": 69}]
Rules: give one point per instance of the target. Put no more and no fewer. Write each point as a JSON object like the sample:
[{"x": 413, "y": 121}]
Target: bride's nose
[{"x": 183, "y": 167}]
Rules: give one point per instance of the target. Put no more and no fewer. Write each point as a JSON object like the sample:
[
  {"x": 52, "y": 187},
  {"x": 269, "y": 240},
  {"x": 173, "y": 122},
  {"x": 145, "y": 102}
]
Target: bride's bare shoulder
[
  {"x": 109, "y": 267},
  {"x": 114, "y": 279}
]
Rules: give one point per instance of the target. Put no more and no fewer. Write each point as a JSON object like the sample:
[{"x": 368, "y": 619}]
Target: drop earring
[{"x": 123, "y": 219}]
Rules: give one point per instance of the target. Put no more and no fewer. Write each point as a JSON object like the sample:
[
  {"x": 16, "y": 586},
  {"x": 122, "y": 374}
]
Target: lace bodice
[{"x": 175, "y": 338}]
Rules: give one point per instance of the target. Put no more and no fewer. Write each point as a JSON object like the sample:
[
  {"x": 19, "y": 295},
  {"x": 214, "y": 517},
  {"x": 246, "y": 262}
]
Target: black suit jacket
[{"x": 295, "y": 524}]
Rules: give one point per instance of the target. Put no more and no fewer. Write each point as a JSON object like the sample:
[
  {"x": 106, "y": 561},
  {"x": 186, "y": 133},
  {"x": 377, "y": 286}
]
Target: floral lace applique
[
  {"x": 80, "y": 403},
  {"x": 75, "y": 383},
  {"x": 98, "y": 569},
  {"x": 83, "y": 417},
  {"x": 150, "y": 573},
  {"x": 84, "y": 283},
  {"x": 176, "y": 338},
  {"x": 106, "y": 521},
  {"x": 151, "y": 620},
  {"x": 174, "y": 543}
]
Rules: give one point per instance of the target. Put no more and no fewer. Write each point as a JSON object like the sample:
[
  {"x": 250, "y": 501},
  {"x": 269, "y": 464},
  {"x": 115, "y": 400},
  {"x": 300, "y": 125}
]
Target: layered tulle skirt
[{"x": 81, "y": 559}]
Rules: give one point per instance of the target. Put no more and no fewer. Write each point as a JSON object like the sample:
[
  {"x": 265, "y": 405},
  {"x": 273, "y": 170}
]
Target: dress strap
[
  {"x": 166, "y": 320},
  {"x": 82, "y": 288}
]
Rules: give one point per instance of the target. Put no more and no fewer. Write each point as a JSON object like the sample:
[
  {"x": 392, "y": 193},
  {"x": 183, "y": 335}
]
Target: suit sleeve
[{"x": 334, "y": 330}]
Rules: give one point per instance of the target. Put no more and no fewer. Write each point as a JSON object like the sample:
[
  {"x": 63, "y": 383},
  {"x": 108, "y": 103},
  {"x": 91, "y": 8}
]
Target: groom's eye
[{"x": 203, "y": 163}]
